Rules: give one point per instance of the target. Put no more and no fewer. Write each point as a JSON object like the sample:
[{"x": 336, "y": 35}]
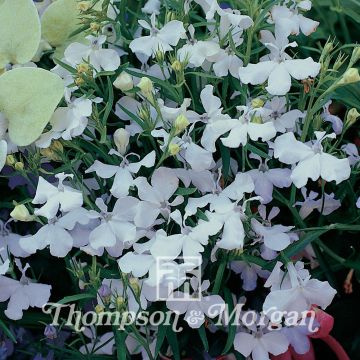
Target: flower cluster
[{"x": 170, "y": 155}]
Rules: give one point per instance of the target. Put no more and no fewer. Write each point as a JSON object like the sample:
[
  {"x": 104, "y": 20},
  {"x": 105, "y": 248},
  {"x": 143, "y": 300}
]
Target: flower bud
[
  {"x": 257, "y": 103},
  {"x": 121, "y": 140},
  {"x": 53, "y": 151},
  {"x": 104, "y": 291},
  {"x": 120, "y": 302},
  {"x": 79, "y": 81},
  {"x": 134, "y": 283},
  {"x": 351, "y": 117},
  {"x": 21, "y": 213},
  {"x": 146, "y": 87},
  {"x": 177, "y": 66},
  {"x": 19, "y": 166},
  {"x": 50, "y": 332},
  {"x": 355, "y": 55},
  {"x": 82, "y": 68},
  {"x": 99, "y": 309},
  {"x": 95, "y": 27},
  {"x": 83, "y": 5},
  {"x": 160, "y": 56},
  {"x": 10, "y": 160},
  {"x": 351, "y": 76},
  {"x": 181, "y": 123},
  {"x": 124, "y": 82},
  {"x": 174, "y": 149},
  {"x": 257, "y": 120}
]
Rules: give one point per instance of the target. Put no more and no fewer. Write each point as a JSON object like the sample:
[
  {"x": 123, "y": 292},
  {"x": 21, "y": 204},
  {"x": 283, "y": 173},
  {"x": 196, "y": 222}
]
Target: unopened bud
[
  {"x": 257, "y": 103},
  {"x": 83, "y": 68},
  {"x": 160, "y": 56},
  {"x": 134, "y": 283},
  {"x": 120, "y": 302},
  {"x": 181, "y": 123},
  {"x": 174, "y": 149},
  {"x": 10, "y": 160},
  {"x": 83, "y": 5},
  {"x": 121, "y": 140},
  {"x": 257, "y": 120},
  {"x": 19, "y": 166},
  {"x": 355, "y": 55},
  {"x": 124, "y": 82},
  {"x": 21, "y": 213},
  {"x": 79, "y": 81},
  {"x": 146, "y": 87},
  {"x": 177, "y": 66},
  {"x": 99, "y": 309},
  {"x": 351, "y": 117},
  {"x": 95, "y": 26},
  {"x": 50, "y": 332},
  {"x": 351, "y": 76}
]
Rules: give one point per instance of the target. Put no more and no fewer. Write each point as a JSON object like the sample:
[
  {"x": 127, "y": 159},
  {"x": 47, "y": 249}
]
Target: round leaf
[
  {"x": 20, "y": 31},
  {"x": 28, "y": 98}
]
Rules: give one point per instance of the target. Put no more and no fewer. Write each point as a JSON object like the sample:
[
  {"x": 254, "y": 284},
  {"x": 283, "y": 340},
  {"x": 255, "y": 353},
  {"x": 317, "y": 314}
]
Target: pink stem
[{"x": 335, "y": 346}]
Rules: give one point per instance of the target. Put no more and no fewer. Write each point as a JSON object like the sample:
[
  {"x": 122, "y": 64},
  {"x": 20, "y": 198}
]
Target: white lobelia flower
[
  {"x": 353, "y": 153},
  {"x": 249, "y": 273},
  {"x": 101, "y": 59},
  {"x": 217, "y": 123},
  {"x": 250, "y": 125},
  {"x": 278, "y": 67},
  {"x": 62, "y": 197},
  {"x": 325, "y": 205},
  {"x": 291, "y": 21},
  {"x": 335, "y": 121},
  {"x": 99, "y": 345},
  {"x": 152, "y": 7},
  {"x": 259, "y": 342},
  {"x": 22, "y": 294},
  {"x": 116, "y": 229},
  {"x": 275, "y": 237},
  {"x": 282, "y": 119},
  {"x": 56, "y": 234},
  {"x": 197, "y": 51},
  {"x": 265, "y": 178},
  {"x": 196, "y": 310},
  {"x": 297, "y": 293},
  {"x": 163, "y": 39},
  {"x": 225, "y": 62},
  {"x": 67, "y": 122},
  {"x": 123, "y": 173},
  {"x": 312, "y": 162},
  {"x": 156, "y": 197}
]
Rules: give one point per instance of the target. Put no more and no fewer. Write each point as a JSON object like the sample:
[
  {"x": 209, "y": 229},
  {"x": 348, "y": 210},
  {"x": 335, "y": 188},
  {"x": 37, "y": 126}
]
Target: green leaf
[
  {"x": 185, "y": 191},
  {"x": 173, "y": 342},
  {"x": 7, "y": 331},
  {"x": 225, "y": 157},
  {"x": 28, "y": 98},
  {"x": 232, "y": 327},
  {"x": 74, "y": 298},
  {"x": 160, "y": 339},
  {"x": 20, "y": 31},
  {"x": 202, "y": 333},
  {"x": 257, "y": 151}
]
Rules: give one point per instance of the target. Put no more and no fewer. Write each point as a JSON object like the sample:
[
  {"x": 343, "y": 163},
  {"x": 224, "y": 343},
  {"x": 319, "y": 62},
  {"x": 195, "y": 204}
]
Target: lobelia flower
[
  {"x": 265, "y": 178},
  {"x": 325, "y": 205},
  {"x": 62, "y": 197},
  {"x": 163, "y": 39},
  {"x": 197, "y": 51},
  {"x": 250, "y": 125},
  {"x": 225, "y": 62},
  {"x": 22, "y": 294},
  {"x": 217, "y": 123},
  {"x": 312, "y": 162},
  {"x": 123, "y": 173},
  {"x": 291, "y": 21},
  {"x": 56, "y": 234},
  {"x": 156, "y": 197},
  {"x": 275, "y": 237},
  {"x": 152, "y": 7},
  {"x": 352, "y": 152},
  {"x": 116, "y": 228},
  {"x": 259, "y": 342},
  {"x": 198, "y": 306},
  {"x": 99, "y": 345},
  {"x": 297, "y": 292},
  {"x": 249, "y": 273},
  {"x": 278, "y": 67},
  {"x": 282, "y": 119},
  {"x": 335, "y": 121},
  {"x": 101, "y": 59}
]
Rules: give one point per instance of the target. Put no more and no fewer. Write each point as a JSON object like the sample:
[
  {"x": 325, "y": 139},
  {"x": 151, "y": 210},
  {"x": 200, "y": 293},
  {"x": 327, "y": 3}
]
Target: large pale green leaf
[
  {"x": 28, "y": 98},
  {"x": 20, "y": 31}
]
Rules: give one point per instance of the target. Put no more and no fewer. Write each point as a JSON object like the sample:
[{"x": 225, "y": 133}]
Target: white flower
[
  {"x": 117, "y": 228},
  {"x": 217, "y": 123},
  {"x": 22, "y": 294},
  {"x": 53, "y": 198},
  {"x": 247, "y": 125},
  {"x": 335, "y": 121},
  {"x": 123, "y": 173},
  {"x": 298, "y": 293},
  {"x": 265, "y": 179},
  {"x": 104, "y": 343},
  {"x": 55, "y": 234},
  {"x": 163, "y": 39},
  {"x": 197, "y": 51},
  {"x": 152, "y": 7},
  {"x": 195, "y": 310},
  {"x": 278, "y": 67},
  {"x": 225, "y": 62},
  {"x": 312, "y": 161},
  {"x": 156, "y": 197},
  {"x": 352, "y": 151},
  {"x": 325, "y": 205},
  {"x": 101, "y": 59},
  {"x": 232, "y": 21},
  {"x": 259, "y": 344}
]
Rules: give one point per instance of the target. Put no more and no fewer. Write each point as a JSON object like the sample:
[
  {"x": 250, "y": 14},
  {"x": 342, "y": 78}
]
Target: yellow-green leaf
[
  {"x": 28, "y": 98},
  {"x": 20, "y": 31}
]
